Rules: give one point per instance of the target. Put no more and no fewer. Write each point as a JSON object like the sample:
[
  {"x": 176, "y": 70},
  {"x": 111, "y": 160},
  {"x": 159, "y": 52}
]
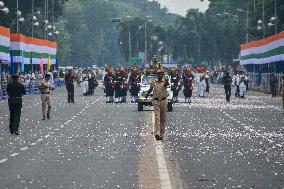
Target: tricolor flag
[
  {"x": 28, "y": 48},
  {"x": 4, "y": 44},
  {"x": 264, "y": 51}
]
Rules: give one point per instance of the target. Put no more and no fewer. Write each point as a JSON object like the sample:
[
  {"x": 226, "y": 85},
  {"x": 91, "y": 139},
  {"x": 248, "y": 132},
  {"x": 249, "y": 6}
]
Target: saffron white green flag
[
  {"x": 265, "y": 51},
  {"x": 24, "y": 47},
  {"x": 4, "y": 43}
]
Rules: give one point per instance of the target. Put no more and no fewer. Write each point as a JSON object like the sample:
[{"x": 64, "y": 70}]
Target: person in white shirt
[
  {"x": 242, "y": 86},
  {"x": 85, "y": 84}
]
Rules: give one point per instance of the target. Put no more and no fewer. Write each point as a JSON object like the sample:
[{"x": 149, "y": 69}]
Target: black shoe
[
  {"x": 12, "y": 132},
  {"x": 157, "y": 136},
  {"x": 48, "y": 117},
  {"x": 43, "y": 118},
  {"x": 73, "y": 102},
  {"x": 16, "y": 132}
]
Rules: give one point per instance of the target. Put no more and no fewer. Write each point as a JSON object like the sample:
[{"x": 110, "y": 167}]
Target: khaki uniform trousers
[
  {"x": 160, "y": 109},
  {"x": 45, "y": 100}
]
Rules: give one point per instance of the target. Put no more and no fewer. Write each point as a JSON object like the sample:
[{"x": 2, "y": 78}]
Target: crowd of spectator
[{"x": 30, "y": 80}]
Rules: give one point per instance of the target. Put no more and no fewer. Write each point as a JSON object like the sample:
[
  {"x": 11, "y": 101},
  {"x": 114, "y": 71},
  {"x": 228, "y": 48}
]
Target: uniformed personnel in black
[
  {"x": 227, "y": 80},
  {"x": 15, "y": 91},
  {"x": 69, "y": 82}
]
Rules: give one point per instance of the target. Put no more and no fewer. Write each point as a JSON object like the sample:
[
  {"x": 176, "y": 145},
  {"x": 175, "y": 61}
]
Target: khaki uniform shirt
[
  {"x": 44, "y": 86},
  {"x": 159, "y": 90}
]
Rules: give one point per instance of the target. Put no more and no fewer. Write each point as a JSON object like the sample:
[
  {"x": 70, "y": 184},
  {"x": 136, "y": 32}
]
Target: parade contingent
[{"x": 118, "y": 82}]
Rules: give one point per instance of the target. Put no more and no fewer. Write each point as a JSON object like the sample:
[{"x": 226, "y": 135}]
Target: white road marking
[
  {"x": 3, "y": 160},
  {"x": 14, "y": 154},
  {"x": 46, "y": 136},
  {"x": 39, "y": 140},
  {"x": 22, "y": 149},
  {"x": 165, "y": 181}
]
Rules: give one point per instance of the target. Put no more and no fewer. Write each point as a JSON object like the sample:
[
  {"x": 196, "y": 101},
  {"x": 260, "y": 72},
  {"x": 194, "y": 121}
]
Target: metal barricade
[
  {"x": 264, "y": 83},
  {"x": 4, "y": 92},
  {"x": 31, "y": 88}
]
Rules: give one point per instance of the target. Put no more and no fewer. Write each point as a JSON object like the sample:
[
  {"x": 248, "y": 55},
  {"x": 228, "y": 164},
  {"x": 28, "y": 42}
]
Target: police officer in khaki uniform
[
  {"x": 45, "y": 88},
  {"x": 159, "y": 86}
]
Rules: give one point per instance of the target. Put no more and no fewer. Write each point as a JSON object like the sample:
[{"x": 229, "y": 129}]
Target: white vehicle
[{"x": 145, "y": 86}]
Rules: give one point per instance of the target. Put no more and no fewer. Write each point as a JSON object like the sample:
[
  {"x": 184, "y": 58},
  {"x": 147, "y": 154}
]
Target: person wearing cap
[
  {"x": 45, "y": 88},
  {"x": 15, "y": 91},
  {"x": 188, "y": 78},
  {"x": 273, "y": 84},
  {"x": 134, "y": 81},
  {"x": 117, "y": 86},
  {"x": 227, "y": 80},
  {"x": 175, "y": 80},
  {"x": 159, "y": 88},
  {"x": 282, "y": 90},
  {"x": 108, "y": 84},
  {"x": 85, "y": 82},
  {"x": 69, "y": 82},
  {"x": 207, "y": 79}
]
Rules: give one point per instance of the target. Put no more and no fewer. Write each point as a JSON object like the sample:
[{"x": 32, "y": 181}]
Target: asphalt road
[
  {"x": 221, "y": 145},
  {"x": 91, "y": 144}
]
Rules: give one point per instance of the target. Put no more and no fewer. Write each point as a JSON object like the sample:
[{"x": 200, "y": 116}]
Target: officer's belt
[
  {"x": 45, "y": 92},
  {"x": 160, "y": 99}
]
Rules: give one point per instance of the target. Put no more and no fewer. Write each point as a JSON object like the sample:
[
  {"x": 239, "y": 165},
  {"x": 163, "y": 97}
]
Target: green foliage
[
  {"x": 25, "y": 6},
  {"x": 97, "y": 36}
]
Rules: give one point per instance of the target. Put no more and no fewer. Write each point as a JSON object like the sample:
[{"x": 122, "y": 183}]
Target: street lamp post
[
  {"x": 3, "y": 8},
  {"x": 145, "y": 53},
  {"x": 261, "y": 24},
  {"x": 19, "y": 16},
  {"x": 129, "y": 38},
  {"x": 146, "y": 44},
  {"x": 247, "y": 21}
]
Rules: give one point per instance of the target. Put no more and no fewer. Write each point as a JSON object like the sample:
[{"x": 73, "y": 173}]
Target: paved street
[{"x": 90, "y": 144}]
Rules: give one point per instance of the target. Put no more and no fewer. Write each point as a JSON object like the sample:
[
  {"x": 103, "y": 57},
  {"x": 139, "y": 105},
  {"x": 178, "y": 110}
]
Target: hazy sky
[{"x": 181, "y": 6}]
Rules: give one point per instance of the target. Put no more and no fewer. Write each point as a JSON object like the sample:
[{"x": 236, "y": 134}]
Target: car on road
[{"x": 145, "y": 86}]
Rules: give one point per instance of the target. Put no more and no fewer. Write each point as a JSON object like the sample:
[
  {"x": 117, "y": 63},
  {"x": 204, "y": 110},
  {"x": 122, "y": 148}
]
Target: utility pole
[
  {"x": 31, "y": 58},
  {"x": 145, "y": 53},
  {"x": 17, "y": 16},
  {"x": 129, "y": 41},
  {"x": 253, "y": 9},
  {"x": 32, "y": 18},
  {"x": 276, "y": 18},
  {"x": 45, "y": 19},
  {"x": 53, "y": 20},
  {"x": 263, "y": 17},
  {"x": 247, "y": 34}
]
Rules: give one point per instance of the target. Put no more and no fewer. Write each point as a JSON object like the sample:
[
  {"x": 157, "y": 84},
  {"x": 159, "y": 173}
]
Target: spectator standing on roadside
[{"x": 273, "y": 85}]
